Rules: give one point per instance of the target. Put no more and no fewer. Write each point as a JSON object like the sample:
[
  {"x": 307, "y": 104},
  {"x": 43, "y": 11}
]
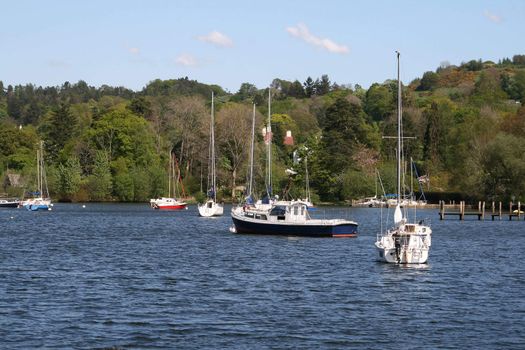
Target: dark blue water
[{"x": 126, "y": 276}]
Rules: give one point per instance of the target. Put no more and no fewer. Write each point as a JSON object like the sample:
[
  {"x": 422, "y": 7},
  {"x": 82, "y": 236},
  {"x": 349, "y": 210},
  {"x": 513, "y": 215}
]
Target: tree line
[{"x": 113, "y": 144}]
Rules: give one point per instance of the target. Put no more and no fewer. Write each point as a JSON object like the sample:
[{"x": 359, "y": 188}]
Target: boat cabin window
[
  {"x": 248, "y": 214},
  {"x": 261, "y": 216},
  {"x": 278, "y": 210},
  {"x": 299, "y": 210},
  {"x": 210, "y": 204},
  {"x": 410, "y": 228}
]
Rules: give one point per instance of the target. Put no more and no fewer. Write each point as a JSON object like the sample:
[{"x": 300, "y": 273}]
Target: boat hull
[
  {"x": 35, "y": 207},
  {"x": 9, "y": 204},
  {"x": 170, "y": 207},
  {"x": 205, "y": 210},
  {"x": 406, "y": 256},
  {"x": 301, "y": 230},
  {"x": 36, "y": 204},
  {"x": 402, "y": 247}
]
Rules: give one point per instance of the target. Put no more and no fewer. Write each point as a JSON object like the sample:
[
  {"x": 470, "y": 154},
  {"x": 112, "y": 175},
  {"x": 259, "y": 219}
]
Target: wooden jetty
[{"x": 460, "y": 211}]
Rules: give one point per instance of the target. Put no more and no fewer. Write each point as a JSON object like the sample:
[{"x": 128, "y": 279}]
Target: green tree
[
  {"x": 59, "y": 130},
  {"x": 342, "y": 132},
  {"x": 120, "y": 133},
  {"x": 504, "y": 167},
  {"x": 309, "y": 87},
  {"x": 437, "y": 135},
  {"x": 322, "y": 86},
  {"x": 428, "y": 81},
  {"x": 123, "y": 188},
  {"x": 69, "y": 178},
  {"x": 379, "y": 103},
  {"x": 247, "y": 91},
  {"x": 296, "y": 90},
  {"x": 488, "y": 89},
  {"x": 519, "y": 86},
  {"x": 100, "y": 181},
  {"x": 141, "y": 107}
]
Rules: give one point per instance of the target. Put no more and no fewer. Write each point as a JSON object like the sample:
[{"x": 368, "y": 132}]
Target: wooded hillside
[{"x": 112, "y": 143}]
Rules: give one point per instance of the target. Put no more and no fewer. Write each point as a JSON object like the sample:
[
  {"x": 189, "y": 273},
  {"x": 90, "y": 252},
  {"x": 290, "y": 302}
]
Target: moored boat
[
  {"x": 37, "y": 203},
  {"x": 270, "y": 216},
  {"x": 211, "y": 207},
  {"x": 9, "y": 203},
  {"x": 405, "y": 242},
  {"x": 41, "y": 201},
  {"x": 288, "y": 218},
  {"x": 170, "y": 203},
  {"x": 167, "y": 203}
]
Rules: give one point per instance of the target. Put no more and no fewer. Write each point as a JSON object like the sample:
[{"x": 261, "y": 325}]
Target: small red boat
[{"x": 167, "y": 203}]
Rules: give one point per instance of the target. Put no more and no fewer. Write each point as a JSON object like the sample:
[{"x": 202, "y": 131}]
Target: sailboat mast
[
  {"x": 38, "y": 177},
  {"x": 269, "y": 130},
  {"x": 250, "y": 189},
  {"x": 412, "y": 196},
  {"x": 398, "y": 132},
  {"x": 307, "y": 179},
  {"x": 212, "y": 130},
  {"x": 169, "y": 175}
]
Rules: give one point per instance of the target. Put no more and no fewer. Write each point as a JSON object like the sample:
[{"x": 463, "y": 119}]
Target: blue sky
[{"x": 129, "y": 43}]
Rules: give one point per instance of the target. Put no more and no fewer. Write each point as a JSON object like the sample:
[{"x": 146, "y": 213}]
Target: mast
[
  {"x": 398, "y": 133},
  {"x": 212, "y": 131},
  {"x": 39, "y": 170},
  {"x": 269, "y": 150},
  {"x": 412, "y": 196},
  {"x": 250, "y": 188},
  {"x": 376, "y": 183},
  {"x": 306, "y": 179},
  {"x": 169, "y": 175}
]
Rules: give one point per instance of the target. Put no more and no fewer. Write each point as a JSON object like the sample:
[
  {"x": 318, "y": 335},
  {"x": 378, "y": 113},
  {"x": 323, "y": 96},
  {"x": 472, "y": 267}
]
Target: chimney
[{"x": 288, "y": 139}]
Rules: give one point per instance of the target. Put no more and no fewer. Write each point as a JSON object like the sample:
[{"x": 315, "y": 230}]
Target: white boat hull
[
  {"x": 404, "y": 256},
  {"x": 167, "y": 204},
  {"x": 210, "y": 209},
  {"x": 400, "y": 246}
]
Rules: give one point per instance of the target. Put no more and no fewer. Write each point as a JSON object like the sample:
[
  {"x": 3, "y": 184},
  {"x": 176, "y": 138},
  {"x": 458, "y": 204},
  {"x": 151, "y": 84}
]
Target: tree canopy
[{"x": 111, "y": 143}]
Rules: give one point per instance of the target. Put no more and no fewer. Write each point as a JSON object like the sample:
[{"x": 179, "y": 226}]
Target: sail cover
[{"x": 398, "y": 216}]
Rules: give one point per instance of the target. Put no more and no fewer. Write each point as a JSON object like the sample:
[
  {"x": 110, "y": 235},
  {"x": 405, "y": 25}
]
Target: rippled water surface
[{"x": 126, "y": 276}]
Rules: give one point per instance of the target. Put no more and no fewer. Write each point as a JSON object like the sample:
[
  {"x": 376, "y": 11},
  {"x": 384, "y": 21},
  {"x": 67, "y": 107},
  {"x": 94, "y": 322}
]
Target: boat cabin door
[{"x": 298, "y": 213}]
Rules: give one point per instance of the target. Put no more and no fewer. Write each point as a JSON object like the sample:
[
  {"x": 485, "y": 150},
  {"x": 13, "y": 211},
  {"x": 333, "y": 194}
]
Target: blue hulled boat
[{"x": 40, "y": 200}]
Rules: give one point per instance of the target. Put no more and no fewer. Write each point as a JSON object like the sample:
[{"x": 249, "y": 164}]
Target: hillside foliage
[{"x": 113, "y": 144}]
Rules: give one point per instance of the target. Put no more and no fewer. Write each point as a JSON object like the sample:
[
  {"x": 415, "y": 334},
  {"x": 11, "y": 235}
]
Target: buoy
[{"x": 83, "y": 206}]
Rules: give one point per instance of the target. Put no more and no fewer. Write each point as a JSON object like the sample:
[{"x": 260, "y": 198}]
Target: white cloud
[
  {"x": 301, "y": 31},
  {"x": 186, "y": 60},
  {"x": 493, "y": 17},
  {"x": 216, "y": 38},
  {"x": 134, "y": 50}
]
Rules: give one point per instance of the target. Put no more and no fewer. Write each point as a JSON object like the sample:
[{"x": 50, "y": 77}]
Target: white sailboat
[
  {"x": 211, "y": 207},
  {"x": 405, "y": 242},
  {"x": 41, "y": 201}
]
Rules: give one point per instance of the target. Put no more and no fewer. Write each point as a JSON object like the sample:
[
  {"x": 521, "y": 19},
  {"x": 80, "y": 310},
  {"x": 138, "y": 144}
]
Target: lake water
[{"x": 127, "y": 276}]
